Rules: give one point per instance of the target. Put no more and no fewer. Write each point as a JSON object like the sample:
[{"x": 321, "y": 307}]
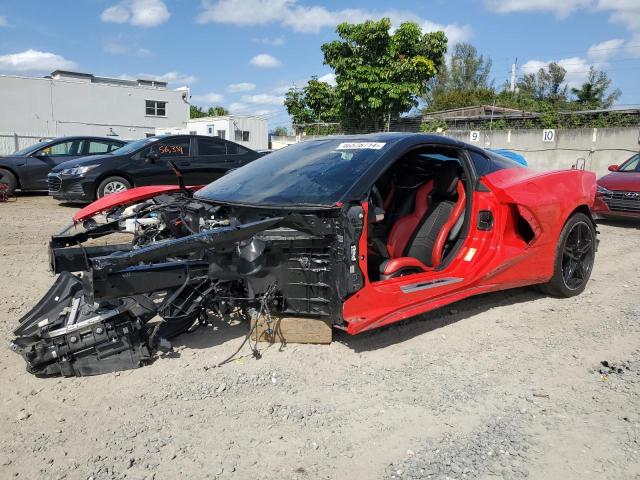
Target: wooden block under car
[{"x": 292, "y": 330}]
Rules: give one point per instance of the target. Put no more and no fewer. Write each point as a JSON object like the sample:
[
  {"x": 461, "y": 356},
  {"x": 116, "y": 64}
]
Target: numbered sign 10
[
  {"x": 474, "y": 136},
  {"x": 549, "y": 135}
]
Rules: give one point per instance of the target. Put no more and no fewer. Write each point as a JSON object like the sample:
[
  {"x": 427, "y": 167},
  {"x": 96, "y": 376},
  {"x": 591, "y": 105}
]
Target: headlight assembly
[{"x": 77, "y": 170}]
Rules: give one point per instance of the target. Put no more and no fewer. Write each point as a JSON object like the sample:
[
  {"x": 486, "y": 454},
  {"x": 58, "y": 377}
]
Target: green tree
[
  {"x": 547, "y": 85},
  {"x": 198, "y": 112},
  {"x": 464, "y": 82},
  {"x": 593, "y": 93},
  {"x": 379, "y": 74},
  {"x": 317, "y": 102},
  {"x": 217, "y": 111},
  {"x": 280, "y": 131}
]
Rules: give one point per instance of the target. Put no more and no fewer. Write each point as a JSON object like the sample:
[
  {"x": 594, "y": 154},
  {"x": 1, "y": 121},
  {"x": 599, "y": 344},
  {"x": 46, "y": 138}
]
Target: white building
[
  {"x": 248, "y": 130},
  {"x": 73, "y": 103}
]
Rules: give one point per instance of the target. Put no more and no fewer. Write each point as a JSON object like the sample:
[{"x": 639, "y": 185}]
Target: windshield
[
  {"x": 133, "y": 146},
  {"x": 32, "y": 148},
  {"x": 316, "y": 172},
  {"x": 631, "y": 165}
]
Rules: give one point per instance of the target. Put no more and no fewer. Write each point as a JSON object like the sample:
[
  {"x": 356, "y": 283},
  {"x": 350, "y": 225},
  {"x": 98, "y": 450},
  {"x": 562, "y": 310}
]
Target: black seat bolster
[{"x": 421, "y": 247}]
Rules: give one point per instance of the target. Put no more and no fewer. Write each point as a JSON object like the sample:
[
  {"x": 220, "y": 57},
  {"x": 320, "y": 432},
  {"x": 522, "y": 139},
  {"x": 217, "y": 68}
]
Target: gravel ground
[{"x": 508, "y": 385}]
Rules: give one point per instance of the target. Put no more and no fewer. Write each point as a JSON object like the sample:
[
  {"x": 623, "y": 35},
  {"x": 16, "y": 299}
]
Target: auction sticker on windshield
[{"x": 362, "y": 145}]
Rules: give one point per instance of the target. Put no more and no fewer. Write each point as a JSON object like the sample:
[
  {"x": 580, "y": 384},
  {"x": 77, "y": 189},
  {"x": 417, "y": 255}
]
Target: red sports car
[
  {"x": 618, "y": 193},
  {"x": 356, "y": 232}
]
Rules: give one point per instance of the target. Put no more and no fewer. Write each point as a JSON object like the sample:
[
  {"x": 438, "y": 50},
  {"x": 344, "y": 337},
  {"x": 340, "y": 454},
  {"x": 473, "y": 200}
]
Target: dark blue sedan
[{"x": 27, "y": 169}]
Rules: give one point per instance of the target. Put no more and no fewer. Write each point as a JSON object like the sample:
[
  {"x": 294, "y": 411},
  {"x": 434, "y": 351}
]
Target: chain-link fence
[{"x": 12, "y": 142}]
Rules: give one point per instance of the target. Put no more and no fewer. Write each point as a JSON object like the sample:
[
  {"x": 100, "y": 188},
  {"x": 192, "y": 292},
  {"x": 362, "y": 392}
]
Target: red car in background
[{"x": 618, "y": 193}]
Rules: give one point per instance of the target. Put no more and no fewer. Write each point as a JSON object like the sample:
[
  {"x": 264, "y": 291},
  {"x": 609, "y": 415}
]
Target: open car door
[{"x": 495, "y": 237}]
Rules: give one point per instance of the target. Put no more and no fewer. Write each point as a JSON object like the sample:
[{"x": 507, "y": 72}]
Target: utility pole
[{"x": 512, "y": 88}]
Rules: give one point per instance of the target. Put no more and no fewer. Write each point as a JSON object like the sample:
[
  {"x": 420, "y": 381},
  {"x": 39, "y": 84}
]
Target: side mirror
[
  {"x": 152, "y": 157},
  {"x": 39, "y": 154},
  {"x": 613, "y": 168}
]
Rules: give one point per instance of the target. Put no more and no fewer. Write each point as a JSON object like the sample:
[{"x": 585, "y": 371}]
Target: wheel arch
[
  {"x": 14, "y": 173},
  {"x": 581, "y": 209},
  {"x": 106, "y": 175}
]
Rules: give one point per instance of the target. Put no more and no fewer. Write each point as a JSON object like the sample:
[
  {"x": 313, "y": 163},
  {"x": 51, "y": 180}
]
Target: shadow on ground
[
  {"x": 210, "y": 336},
  {"x": 622, "y": 222},
  {"x": 430, "y": 321}
]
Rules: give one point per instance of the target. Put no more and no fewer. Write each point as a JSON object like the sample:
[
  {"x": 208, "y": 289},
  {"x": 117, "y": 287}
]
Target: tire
[
  {"x": 574, "y": 258},
  {"x": 112, "y": 185},
  {"x": 9, "y": 179}
]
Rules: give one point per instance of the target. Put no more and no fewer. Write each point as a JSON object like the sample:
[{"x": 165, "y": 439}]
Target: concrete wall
[
  {"x": 600, "y": 147},
  {"x": 45, "y": 107},
  {"x": 278, "y": 142}
]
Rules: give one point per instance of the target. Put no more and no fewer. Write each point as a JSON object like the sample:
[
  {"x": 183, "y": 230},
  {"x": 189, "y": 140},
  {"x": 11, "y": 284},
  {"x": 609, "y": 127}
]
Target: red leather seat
[{"x": 416, "y": 241}]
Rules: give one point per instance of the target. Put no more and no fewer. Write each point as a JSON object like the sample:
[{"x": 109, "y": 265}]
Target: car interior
[{"x": 416, "y": 213}]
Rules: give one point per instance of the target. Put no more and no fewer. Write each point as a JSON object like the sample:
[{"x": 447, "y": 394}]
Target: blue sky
[{"x": 244, "y": 54}]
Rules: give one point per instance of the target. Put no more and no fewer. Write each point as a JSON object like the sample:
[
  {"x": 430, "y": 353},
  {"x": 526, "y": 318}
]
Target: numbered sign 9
[
  {"x": 549, "y": 135},
  {"x": 474, "y": 136}
]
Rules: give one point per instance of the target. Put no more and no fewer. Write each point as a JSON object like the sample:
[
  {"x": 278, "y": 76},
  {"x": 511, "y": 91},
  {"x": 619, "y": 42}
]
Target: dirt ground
[{"x": 507, "y": 385}]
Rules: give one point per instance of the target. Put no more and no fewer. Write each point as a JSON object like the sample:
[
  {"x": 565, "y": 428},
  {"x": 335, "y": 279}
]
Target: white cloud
[
  {"x": 330, "y": 78},
  {"x": 633, "y": 46},
  {"x": 34, "y": 61},
  {"x": 263, "y": 112},
  {"x": 238, "y": 107},
  {"x": 263, "y": 99},
  {"x": 140, "y": 13},
  {"x": 560, "y": 8},
  {"x": 241, "y": 87},
  {"x": 169, "y": 77},
  {"x": 271, "y": 41},
  {"x": 455, "y": 33},
  {"x": 601, "y": 52},
  {"x": 282, "y": 89},
  {"x": 115, "y": 48},
  {"x": 311, "y": 18},
  {"x": 3, "y": 21},
  {"x": 207, "y": 98},
  {"x": 264, "y": 60},
  {"x": 532, "y": 66},
  {"x": 119, "y": 48},
  {"x": 115, "y": 14},
  {"x": 623, "y": 12}
]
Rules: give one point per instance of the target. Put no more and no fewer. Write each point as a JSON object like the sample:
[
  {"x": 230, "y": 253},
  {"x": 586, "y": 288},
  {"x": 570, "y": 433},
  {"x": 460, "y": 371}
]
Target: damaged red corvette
[{"x": 355, "y": 231}]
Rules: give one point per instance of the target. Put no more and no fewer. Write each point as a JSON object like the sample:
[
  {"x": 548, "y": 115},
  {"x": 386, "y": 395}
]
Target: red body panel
[
  {"x": 124, "y": 198},
  {"x": 490, "y": 260},
  {"x": 395, "y": 264},
  {"x": 627, "y": 181},
  {"x": 621, "y": 182}
]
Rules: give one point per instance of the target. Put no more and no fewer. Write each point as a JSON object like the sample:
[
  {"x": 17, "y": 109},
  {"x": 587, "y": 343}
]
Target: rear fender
[{"x": 545, "y": 200}]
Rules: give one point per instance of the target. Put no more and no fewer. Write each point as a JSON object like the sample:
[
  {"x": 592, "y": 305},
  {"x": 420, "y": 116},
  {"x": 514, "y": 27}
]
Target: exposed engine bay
[{"x": 180, "y": 262}]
